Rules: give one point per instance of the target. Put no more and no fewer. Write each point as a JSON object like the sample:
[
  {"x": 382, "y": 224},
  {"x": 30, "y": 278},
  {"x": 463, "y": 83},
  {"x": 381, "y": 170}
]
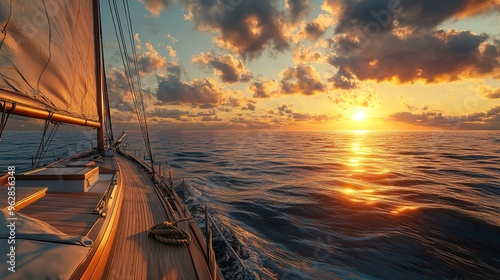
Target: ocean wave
[{"x": 342, "y": 205}]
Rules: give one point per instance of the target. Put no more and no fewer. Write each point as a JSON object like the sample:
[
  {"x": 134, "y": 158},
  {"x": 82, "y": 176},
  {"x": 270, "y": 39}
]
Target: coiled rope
[{"x": 168, "y": 233}]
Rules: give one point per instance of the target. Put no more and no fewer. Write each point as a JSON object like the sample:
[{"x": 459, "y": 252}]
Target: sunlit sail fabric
[{"x": 47, "y": 55}]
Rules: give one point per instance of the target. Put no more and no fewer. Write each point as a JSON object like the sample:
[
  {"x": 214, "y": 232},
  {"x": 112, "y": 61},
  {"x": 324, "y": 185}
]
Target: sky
[{"x": 311, "y": 65}]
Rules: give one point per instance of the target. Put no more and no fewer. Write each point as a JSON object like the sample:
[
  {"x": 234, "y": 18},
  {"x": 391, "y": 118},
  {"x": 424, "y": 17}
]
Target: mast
[{"x": 99, "y": 76}]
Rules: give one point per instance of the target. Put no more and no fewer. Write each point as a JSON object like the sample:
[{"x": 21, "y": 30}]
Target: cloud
[
  {"x": 482, "y": 120},
  {"x": 172, "y": 53},
  {"x": 391, "y": 14},
  {"x": 229, "y": 69},
  {"x": 196, "y": 93},
  {"x": 264, "y": 89},
  {"x": 172, "y": 38},
  {"x": 211, "y": 119},
  {"x": 355, "y": 98},
  {"x": 490, "y": 93},
  {"x": 397, "y": 41},
  {"x": 314, "y": 29},
  {"x": 119, "y": 94},
  {"x": 243, "y": 27},
  {"x": 155, "y": 6},
  {"x": 164, "y": 113},
  {"x": 137, "y": 39},
  {"x": 233, "y": 102},
  {"x": 150, "y": 61},
  {"x": 415, "y": 108},
  {"x": 160, "y": 114},
  {"x": 250, "y": 106},
  {"x": 286, "y": 111},
  {"x": 302, "y": 79},
  {"x": 305, "y": 55},
  {"x": 298, "y": 8},
  {"x": 431, "y": 57}
]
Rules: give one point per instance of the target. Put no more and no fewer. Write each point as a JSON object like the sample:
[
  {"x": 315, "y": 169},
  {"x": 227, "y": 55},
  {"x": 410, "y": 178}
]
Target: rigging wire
[
  {"x": 134, "y": 52},
  {"x": 128, "y": 71},
  {"x": 130, "y": 63}
]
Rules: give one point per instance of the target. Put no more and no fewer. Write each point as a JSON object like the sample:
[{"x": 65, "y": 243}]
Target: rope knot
[{"x": 168, "y": 233}]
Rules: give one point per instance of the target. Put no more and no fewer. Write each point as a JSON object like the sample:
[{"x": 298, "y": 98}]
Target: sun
[{"x": 359, "y": 116}]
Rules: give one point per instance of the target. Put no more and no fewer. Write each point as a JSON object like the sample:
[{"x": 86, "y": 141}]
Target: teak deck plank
[
  {"x": 24, "y": 196},
  {"x": 68, "y": 212},
  {"x": 135, "y": 256}
]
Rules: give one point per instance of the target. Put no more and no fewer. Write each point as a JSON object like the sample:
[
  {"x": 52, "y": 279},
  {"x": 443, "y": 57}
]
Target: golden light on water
[
  {"x": 402, "y": 209},
  {"x": 370, "y": 197},
  {"x": 362, "y": 168},
  {"x": 354, "y": 162},
  {"x": 367, "y": 196}
]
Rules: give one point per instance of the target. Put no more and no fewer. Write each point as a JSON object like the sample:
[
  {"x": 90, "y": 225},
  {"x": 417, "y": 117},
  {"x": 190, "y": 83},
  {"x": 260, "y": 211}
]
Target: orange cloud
[
  {"x": 482, "y": 120},
  {"x": 490, "y": 93},
  {"x": 196, "y": 93},
  {"x": 431, "y": 57},
  {"x": 243, "y": 27},
  {"x": 228, "y": 68},
  {"x": 151, "y": 60},
  {"x": 302, "y": 79},
  {"x": 305, "y": 55},
  {"x": 155, "y": 6},
  {"x": 264, "y": 88}
]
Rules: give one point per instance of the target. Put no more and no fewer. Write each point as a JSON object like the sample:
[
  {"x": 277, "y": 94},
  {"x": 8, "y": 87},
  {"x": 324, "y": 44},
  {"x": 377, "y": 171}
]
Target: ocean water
[{"x": 331, "y": 205}]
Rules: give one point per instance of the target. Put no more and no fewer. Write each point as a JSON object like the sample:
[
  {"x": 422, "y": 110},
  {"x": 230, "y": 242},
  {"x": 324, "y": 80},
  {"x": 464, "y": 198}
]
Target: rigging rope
[
  {"x": 44, "y": 144},
  {"x": 168, "y": 233},
  {"x": 131, "y": 68},
  {"x": 5, "y": 116}
]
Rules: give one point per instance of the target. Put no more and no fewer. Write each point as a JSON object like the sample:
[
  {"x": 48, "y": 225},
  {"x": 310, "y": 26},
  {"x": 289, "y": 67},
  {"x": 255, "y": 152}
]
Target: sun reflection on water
[
  {"x": 363, "y": 164},
  {"x": 367, "y": 196},
  {"x": 401, "y": 209}
]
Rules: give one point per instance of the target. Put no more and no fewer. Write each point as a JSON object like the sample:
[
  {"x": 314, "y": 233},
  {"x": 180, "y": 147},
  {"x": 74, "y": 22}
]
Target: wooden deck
[
  {"x": 68, "y": 212},
  {"x": 24, "y": 196},
  {"x": 135, "y": 256}
]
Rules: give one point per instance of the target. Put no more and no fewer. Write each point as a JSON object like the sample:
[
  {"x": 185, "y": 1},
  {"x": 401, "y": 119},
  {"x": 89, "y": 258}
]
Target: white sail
[{"x": 47, "y": 54}]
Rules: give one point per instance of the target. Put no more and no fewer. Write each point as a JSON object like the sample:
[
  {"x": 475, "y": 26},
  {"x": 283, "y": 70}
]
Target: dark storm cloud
[
  {"x": 202, "y": 94},
  {"x": 481, "y": 120},
  {"x": 434, "y": 56},
  {"x": 246, "y": 27}
]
